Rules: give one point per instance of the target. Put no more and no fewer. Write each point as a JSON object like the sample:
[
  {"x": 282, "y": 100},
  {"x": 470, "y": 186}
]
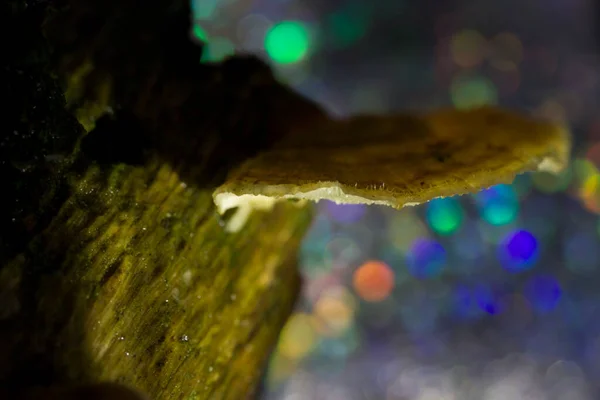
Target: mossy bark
[
  {"x": 125, "y": 273},
  {"x": 136, "y": 281}
]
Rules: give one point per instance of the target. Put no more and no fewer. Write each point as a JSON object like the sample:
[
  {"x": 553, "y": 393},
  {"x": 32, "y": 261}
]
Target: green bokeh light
[
  {"x": 204, "y": 9},
  {"x": 217, "y": 49},
  {"x": 445, "y": 215},
  {"x": 500, "y": 213},
  {"x": 349, "y": 24},
  {"x": 470, "y": 92},
  {"x": 200, "y": 33},
  {"x": 287, "y": 42},
  {"x": 498, "y": 205},
  {"x": 551, "y": 183}
]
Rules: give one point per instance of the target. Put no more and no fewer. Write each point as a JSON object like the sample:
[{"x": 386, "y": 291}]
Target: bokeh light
[
  {"x": 506, "y": 51},
  {"x": 552, "y": 183},
  {"x": 334, "y": 311},
  {"x": 251, "y": 32},
  {"x": 487, "y": 299},
  {"x": 344, "y": 249},
  {"x": 199, "y": 33},
  {"x": 518, "y": 251},
  {"x": 426, "y": 258},
  {"x": 404, "y": 228},
  {"x": 468, "y": 48},
  {"x": 498, "y": 205},
  {"x": 551, "y": 110},
  {"x": 593, "y": 153},
  {"x": 345, "y": 213},
  {"x": 217, "y": 49},
  {"x": 339, "y": 348},
  {"x": 544, "y": 292},
  {"x": 348, "y": 24},
  {"x": 287, "y": 42},
  {"x": 582, "y": 169},
  {"x": 444, "y": 215},
  {"x": 373, "y": 281},
  {"x": 298, "y": 337},
  {"x": 473, "y": 91},
  {"x": 204, "y": 9}
]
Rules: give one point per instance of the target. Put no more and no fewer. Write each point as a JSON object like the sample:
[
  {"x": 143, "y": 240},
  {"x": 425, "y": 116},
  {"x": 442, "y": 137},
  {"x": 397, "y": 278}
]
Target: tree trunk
[{"x": 121, "y": 271}]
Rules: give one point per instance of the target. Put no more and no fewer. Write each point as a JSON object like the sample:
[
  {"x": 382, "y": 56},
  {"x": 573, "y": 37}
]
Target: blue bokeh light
[
  {"x": 518, "y": 251},
  {"x": 345, "y": 213},
  {"x": 543, "y": 292},
  {"x": 426, "y": 258},
  {"x": 487, "y": 300}
]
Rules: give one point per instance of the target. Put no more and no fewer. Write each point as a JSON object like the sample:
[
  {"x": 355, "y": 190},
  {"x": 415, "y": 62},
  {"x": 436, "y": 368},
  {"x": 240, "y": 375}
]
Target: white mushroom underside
[{"x": 246, "y": 203}]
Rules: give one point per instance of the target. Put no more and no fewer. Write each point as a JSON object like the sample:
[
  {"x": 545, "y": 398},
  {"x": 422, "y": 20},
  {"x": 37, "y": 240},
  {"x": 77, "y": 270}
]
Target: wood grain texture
[
  {"x": 137, "y": 280},
  {"x": 117, "y": 268}
]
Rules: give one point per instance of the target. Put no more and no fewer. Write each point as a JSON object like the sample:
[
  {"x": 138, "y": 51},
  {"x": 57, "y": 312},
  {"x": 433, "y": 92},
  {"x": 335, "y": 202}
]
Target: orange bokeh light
[{"x": 373, "y": 281}]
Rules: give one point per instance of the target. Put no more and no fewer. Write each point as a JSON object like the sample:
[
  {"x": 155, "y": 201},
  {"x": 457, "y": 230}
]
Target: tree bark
[{"x": 116, "y": 267}]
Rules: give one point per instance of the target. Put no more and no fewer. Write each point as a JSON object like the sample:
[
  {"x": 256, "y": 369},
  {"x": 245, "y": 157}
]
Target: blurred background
[{"x": 494, "y": 296}]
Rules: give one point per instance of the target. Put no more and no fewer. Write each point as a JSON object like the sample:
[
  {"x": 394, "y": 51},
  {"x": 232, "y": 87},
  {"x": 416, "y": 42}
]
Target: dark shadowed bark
[{"x": 114, "y": 264}]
